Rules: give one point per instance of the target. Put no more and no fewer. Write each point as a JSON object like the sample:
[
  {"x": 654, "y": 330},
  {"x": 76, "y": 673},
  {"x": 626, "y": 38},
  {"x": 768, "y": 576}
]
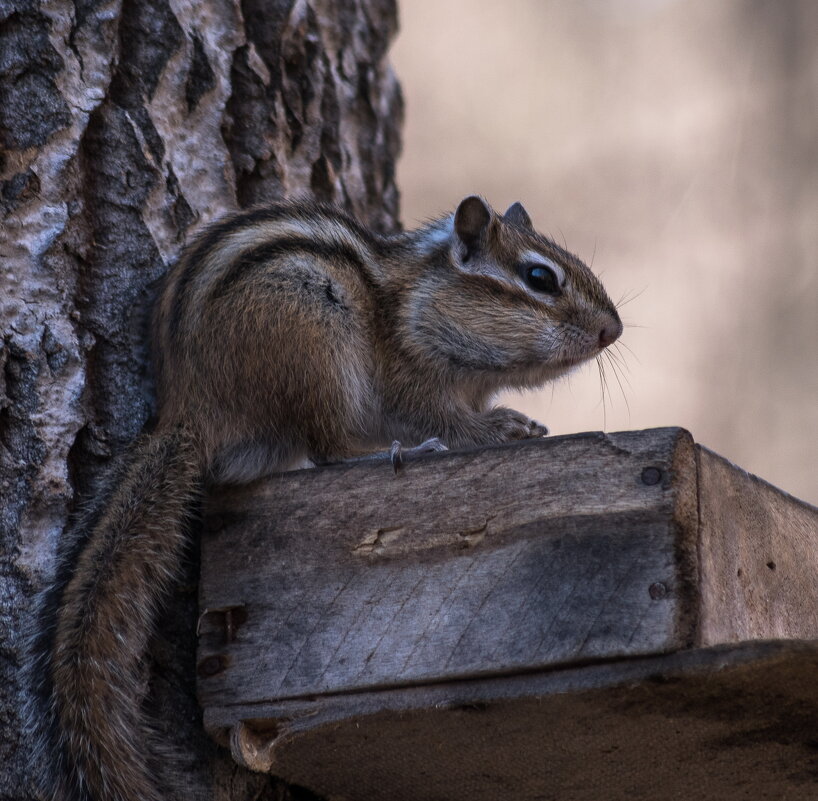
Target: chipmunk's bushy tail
[{"x": 116, "y": 568}]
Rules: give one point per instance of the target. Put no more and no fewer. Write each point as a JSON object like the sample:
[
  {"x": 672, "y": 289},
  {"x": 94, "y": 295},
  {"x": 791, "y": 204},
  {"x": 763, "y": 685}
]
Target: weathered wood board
[
  {"x": 735, "y": 723},
  {"x": 331, "y": 597},
  {"x": 758, "y": 550}
]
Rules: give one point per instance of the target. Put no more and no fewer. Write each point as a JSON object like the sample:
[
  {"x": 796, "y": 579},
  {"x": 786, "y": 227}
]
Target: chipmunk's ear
[
  {"x": 471, "y": 224},
  {"x": 517, "y": 215}
]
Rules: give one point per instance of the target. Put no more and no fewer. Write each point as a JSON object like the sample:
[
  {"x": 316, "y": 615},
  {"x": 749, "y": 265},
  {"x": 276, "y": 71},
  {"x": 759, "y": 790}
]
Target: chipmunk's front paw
[{"x": 511, "y": 425}]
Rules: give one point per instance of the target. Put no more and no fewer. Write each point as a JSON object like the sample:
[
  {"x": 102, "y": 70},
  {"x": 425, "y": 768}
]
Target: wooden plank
[
  {"x": 759, "y": 557},
  {"x": 719, "y": 724},
  {"x": 470, "y": 563},
  {"x": 517, "y": 622}
]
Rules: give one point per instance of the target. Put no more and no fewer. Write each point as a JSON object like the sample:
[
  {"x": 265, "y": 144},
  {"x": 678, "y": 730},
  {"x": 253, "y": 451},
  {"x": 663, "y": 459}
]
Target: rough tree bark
[{"x": 125, "y": 125}]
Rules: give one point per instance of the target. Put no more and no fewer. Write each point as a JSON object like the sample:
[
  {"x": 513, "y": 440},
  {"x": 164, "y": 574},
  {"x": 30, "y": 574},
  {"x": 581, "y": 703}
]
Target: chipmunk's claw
[
  {"x": 396, "y": 456},
  {"x": 397, "y": 452}
]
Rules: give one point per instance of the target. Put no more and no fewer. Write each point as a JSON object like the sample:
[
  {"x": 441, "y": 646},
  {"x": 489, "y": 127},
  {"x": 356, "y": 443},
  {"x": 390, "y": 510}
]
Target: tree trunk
[{"x": 124, "y": 127}]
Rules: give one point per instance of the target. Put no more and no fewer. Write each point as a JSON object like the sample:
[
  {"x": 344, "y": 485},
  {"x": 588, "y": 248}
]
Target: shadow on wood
[{"x": 568, "y": 618}]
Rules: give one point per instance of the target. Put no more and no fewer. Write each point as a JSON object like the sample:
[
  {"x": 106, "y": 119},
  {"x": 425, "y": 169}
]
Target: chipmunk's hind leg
[
  {"x": 330, "y": 386},
  {"x": 299, "y": 385}
]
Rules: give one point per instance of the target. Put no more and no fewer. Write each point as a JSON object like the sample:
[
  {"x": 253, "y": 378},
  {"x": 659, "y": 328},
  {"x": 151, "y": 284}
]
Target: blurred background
[{"x": 674, "y": 144}]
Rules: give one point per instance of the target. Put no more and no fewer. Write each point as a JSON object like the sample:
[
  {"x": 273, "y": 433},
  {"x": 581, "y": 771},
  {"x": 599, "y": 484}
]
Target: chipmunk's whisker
[
  {"x": 616, "y": 355},
  {"x": 619, "y": 382},
  {"x": 603, "y": 385},
  {"x": 629, "y": 349},
  {"x": 628, "y": 298}
]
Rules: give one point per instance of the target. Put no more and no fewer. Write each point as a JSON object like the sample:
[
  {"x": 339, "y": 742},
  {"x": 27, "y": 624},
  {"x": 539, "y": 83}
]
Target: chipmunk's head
[{"x": 510, "y": 301}]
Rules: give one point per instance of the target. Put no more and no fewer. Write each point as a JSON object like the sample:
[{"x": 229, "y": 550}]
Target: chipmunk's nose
[{"x": 610, "y": 332}]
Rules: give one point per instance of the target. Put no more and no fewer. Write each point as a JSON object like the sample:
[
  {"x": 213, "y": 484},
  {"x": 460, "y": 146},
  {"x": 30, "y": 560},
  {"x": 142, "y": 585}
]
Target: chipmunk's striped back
[
  {"x": 233, "y": 244},
  {"x": 275, "y": 280}
]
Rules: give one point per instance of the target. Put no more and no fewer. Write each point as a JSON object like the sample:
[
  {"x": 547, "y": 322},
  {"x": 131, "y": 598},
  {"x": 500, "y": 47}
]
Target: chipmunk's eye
[{"x": 541, "y": 278}]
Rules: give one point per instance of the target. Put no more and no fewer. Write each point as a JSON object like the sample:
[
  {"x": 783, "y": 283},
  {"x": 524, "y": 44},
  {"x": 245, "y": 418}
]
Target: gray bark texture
[{"x": 126, "y": 125}]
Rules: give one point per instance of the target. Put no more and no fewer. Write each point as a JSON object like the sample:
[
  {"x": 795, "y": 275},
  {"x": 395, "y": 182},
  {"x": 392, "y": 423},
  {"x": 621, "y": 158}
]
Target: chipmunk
[{"x": 286, "y": 333}]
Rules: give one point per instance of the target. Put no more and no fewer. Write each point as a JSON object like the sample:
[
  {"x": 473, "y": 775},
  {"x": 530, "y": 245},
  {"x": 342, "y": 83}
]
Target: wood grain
[
  {"x": 465, "y": 564},
  {"x": 759, "y": 557},
  {"x": 716, "y": 724}
]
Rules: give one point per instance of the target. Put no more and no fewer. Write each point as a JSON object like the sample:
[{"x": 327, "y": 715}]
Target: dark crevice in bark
[
  {"x": 87, "y": 458},
  {"x": 251, "y": 124},
  {"x": 330, "y": 123},
  {"x": 298, "y": 56},
  {"x": 264, "y": 23},
  {"x": 200, "y": 78},
  {"x": 31, "y": 106},
  {"x": 149, "y": 34},
  {"x": 22, "y": 453},
  {"x": 182, "y": 215},
  {"x": 249, "y": 133},
  {"x": 21, "y": 449},
  {"x": 18, "y": 190},
  {"x": 111, "y": 284},
  {"x": 382, "y": 27},
  {"x": 90, "y": 30}
]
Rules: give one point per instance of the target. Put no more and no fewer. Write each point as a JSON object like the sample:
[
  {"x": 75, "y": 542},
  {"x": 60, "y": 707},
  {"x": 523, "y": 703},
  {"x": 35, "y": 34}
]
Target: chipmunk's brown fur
[{"x": 284, "y": 334}]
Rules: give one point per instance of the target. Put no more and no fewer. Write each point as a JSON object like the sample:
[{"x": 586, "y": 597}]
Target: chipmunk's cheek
[
  {"x": 569, "y": 345},
  {"x": 549, "y": 344}
]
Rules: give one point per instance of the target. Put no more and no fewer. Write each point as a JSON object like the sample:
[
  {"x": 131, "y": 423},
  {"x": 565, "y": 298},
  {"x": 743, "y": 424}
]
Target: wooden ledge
[{"x": 354, "y": 621}]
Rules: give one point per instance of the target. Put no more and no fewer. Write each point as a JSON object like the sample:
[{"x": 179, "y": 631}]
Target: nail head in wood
[
  {"x": 658, "y": 590},
  {"x": 651, "y": 476},
  {"x": 212, "y": 665}
]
